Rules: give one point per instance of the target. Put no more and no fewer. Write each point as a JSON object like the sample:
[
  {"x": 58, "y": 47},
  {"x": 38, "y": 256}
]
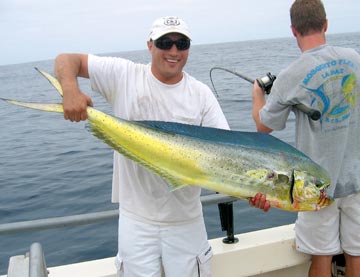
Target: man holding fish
[
  {"x": 158, "y": 228},
  {"x": 325, "y": 78}
]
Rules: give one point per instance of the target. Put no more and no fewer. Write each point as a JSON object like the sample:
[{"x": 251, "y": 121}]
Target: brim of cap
[{"x": 168, "y": 31}]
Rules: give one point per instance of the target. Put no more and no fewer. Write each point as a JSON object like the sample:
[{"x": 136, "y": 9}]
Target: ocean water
[{"x": 51, "y": 167}]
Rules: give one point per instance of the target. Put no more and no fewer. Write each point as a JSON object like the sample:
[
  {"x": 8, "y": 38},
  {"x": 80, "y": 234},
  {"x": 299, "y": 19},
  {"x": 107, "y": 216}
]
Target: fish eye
[{"x": 318, "y": 183}]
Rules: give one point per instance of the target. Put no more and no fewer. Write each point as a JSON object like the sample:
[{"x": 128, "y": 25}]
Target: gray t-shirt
[{"x": 325, "y": 78}]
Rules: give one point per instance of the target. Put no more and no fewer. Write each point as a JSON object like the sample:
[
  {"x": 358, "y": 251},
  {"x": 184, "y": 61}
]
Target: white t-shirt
[{"x": 135, "y": 94}]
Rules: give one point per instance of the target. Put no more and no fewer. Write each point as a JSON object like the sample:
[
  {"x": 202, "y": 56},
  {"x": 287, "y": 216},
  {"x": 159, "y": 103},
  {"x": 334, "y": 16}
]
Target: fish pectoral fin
[{"x": 174, "y": 184}]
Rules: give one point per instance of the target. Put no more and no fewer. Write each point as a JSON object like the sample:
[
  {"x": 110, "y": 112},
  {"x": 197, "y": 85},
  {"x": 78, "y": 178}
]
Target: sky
[{"x": 34, "y": 30}]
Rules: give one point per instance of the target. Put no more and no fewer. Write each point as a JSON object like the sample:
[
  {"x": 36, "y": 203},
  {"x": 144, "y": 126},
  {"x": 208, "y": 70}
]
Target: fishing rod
[{"x": 266, "y": 83}]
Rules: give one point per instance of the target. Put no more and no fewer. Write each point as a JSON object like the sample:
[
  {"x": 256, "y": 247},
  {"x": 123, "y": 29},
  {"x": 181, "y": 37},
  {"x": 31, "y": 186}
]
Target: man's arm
[
  {"x": 67, "y": 68},
  {"x": 258, "y": 102},
  {"x": 259, "y": 200}
]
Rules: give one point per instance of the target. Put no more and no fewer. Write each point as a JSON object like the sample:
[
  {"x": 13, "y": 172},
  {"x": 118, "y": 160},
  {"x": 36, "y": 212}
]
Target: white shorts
[
  {"x": 332, "y": 230},
  {"x": 146, "y": 249}
]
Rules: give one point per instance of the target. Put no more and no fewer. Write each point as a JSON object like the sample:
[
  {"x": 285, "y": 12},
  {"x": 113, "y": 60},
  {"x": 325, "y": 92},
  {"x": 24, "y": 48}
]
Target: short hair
[{"x": 308, "y": 16}]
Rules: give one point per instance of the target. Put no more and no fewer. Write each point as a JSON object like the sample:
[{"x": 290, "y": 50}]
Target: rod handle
[{"x": 312, "y": 113}]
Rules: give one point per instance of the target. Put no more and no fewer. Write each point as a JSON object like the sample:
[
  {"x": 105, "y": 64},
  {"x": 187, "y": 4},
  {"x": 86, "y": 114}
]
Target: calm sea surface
[{"x": 51, "y": 167}]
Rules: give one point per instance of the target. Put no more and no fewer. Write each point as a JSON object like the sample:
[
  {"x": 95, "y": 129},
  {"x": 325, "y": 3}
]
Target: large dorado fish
[{"x": 234, "y": 163}]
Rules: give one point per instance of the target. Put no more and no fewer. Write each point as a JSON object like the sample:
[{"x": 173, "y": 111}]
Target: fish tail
[
  {"x": 52, "y": 81},
  {"x": 49, "y": 107}
]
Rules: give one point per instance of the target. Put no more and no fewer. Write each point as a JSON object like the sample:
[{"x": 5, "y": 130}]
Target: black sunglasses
[{"x": 165, "y": 43}]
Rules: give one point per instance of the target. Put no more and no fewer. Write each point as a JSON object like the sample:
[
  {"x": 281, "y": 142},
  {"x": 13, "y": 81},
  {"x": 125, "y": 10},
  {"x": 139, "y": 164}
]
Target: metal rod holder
[{"x": 227, "y": 221}]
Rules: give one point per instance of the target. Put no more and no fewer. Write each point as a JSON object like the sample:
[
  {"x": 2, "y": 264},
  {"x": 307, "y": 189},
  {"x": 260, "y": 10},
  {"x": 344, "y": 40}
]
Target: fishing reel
[{"x": 266, "y": 82}]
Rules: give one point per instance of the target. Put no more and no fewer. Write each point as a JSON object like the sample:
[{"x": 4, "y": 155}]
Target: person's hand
[
  {"x": 75, "y": 106},
  {"x": 259, "y": 201},
  {"x": 258, "y": 90}
]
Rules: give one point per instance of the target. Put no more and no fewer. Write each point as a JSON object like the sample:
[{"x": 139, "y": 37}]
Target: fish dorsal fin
[{"x": 254, "y": 140}]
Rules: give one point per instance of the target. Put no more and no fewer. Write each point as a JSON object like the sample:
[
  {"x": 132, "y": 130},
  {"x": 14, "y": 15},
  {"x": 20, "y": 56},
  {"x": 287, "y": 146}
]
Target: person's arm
[
  {"x": 258, "y": 102},
  {"x": 259, "y": 200},
  {"x": 67, "y": 68}
]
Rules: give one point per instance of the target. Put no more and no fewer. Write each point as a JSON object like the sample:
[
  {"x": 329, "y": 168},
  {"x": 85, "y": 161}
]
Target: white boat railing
[{"x": 89, "y": 218}]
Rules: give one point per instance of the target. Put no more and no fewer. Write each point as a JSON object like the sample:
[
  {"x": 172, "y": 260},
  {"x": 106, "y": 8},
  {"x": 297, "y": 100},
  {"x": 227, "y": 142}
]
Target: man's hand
[
  {"x": 259, "y": 201},
  {"x": 68, "y": 67},
  {"x": 75, "y": 106}
]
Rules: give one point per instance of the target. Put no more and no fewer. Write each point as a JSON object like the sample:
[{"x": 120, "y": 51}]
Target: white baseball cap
[{"x": 168, "y": 24}]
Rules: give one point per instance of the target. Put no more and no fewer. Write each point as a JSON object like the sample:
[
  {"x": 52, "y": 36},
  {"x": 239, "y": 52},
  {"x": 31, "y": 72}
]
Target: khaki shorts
[
  {"x": 332, "y": 230},
  {"x": 154, "y": 250}
]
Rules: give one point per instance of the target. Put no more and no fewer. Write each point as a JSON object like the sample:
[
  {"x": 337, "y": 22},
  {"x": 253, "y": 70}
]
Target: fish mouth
[{"x": 292, "y": 184}]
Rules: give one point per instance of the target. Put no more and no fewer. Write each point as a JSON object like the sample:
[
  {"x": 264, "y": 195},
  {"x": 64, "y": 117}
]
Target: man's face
[{"x": 167, "y": 64}]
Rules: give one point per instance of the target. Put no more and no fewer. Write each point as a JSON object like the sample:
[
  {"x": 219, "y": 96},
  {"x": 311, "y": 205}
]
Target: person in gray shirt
[{"x": 325, "y": 78}]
